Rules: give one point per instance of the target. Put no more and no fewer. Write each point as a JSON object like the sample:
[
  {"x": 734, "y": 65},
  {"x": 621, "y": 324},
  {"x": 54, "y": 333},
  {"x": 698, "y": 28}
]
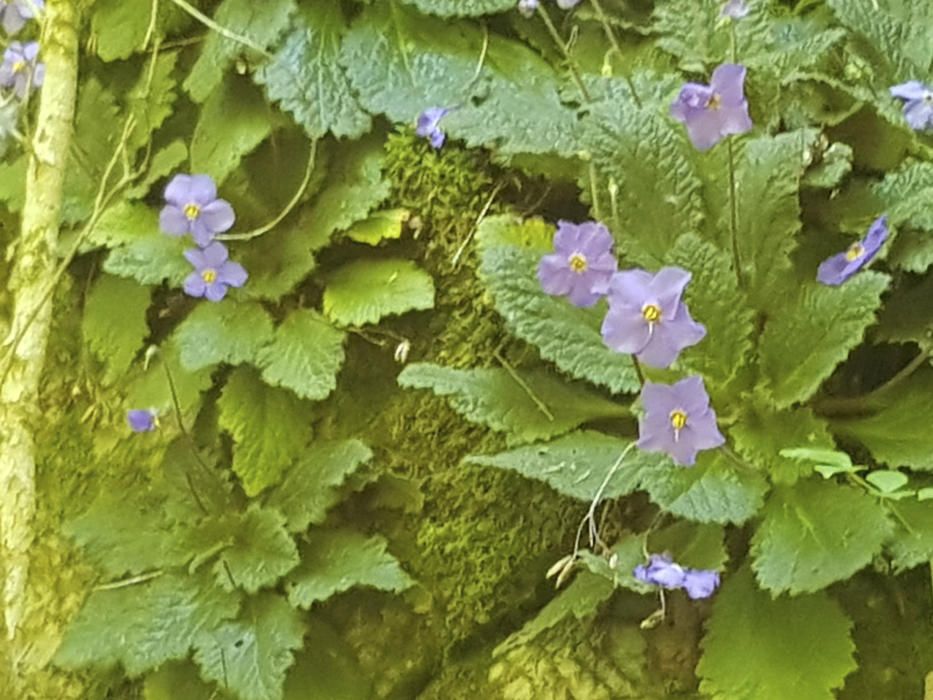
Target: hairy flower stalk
[{"x": 33, "y": 266}]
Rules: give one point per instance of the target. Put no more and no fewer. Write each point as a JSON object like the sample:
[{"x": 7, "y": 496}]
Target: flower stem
[
  {"x": 638, "y": 370},
  {"x": 562, "y": 45},
  {"x": 611, "y": 36},
  {"x": 734, "y": 215},
  {"x": 854, "y": 405}
]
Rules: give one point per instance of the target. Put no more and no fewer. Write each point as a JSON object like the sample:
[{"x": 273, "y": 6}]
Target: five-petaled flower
[
  {"x": 213, "y": 272},
  {"x": 15, "y": 13},
  {"x": 142, "y": 420},
  {"x": 662, "y": 571},
  {"x": 678, "y": 420},
  {"x": 840, "y": 267},
  {"x": 429, "y": 125},
  {"x": 734, "y": 9},
  {"x": 21, "y": 69},
  {"x": 711, "y": 112},
  {"x": 582, "y": 264},
  {"x": 193, "y": 207},
  {"x": 647, "y": 317},
  {"x": 918, "y": 103}
]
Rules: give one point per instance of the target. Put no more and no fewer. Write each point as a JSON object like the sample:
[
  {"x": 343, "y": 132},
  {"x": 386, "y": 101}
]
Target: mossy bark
[{"x": 27, "y": 340}]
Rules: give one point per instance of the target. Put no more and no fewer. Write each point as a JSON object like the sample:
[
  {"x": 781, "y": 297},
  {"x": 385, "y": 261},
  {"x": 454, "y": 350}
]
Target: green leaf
[
  {"x": 261, "y": 552},
  {"x": 761, "y": 433},
  {"x": 462, "y": 8},
  {"x": 912, "y": 541},
  {"x": 145, "y": 625},
  {"x": 797, "y": 648},
  {"x": 366, "y": 291},
  {"x": 177, "y": 680},
  {"x": 906, "y": 316},
  {"x": 714, "y": 297},
  {"x": 814, "y": 330},
  {"x": 528, "y": 406},
  {"x": 814, "y": 534},
  {"x": 304, "y": 355},
  {"x": 234, "y": 120},
  {"x": 835, "y": 163},
  {"x": 381, "y": 226},
  {"x": 353, "y": 191},
  {"x": 768, "y": 211},
  {"x": 645, "y": 159},
  {"x": 119, "y": 27},
  {"x": 564, "y": 334},
  {"x": 581, "y": 599},
  {"x": 164, "y": 162},
  {"x": 305, "y": 77},
  {"x": 227, "y": 332},
  {"x": 151, "y": 100},
  {"x": 313, "y": 484},
  {"x": 151, "y": 257},
  {"x": 262, "y": 23},
  {"x": 251, "y": 655},
  {"x": 576, "y": 464},
  {"x": 906, "y": 193},
  {"x": 334, "y": 561},
  {"x": 270, "y": 428},
  {"x": 401, "y": 62},
  {"x": 114, "y": 322},
  {"x": 897, "y": 435},
  {"x": 887, "y": 480},
  {"x": 150, "y": 388},
  {"x": 713, "y": 491}
]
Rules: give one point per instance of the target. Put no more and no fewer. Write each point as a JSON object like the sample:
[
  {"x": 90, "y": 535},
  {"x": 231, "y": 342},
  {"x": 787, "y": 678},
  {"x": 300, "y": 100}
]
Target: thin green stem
[
  {"x": 734, "y": 215},
  {"x": 638, "y": 370},
  {"x": 562, "y": 45},
  {"x": 219, "y": 28},
  {"x": 611, "y": 36},
  {"x": 860, "y": 404}
]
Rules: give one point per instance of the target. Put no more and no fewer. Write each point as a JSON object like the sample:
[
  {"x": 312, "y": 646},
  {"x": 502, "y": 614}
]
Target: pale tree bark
[{"x": 22, "y": 355}]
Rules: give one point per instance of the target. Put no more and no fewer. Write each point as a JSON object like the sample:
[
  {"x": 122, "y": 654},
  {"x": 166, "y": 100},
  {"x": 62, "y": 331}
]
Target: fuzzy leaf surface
[{"x": 366, "y": 291}]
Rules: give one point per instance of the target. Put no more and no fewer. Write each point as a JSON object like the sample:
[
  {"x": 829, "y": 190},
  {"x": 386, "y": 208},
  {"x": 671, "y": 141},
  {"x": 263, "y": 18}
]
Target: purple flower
[
  {"x": 193, "y": 207},
  {"x": 840, "y": 267},
  {"x": 567, "y": 4},
  {"x": 141, "y": 420},
  {"x": 918, "y": 103},
  {"x": 527, "y": 7},
  {"x": 713, "y": 111},
  {"x": 647, "y": 317},
  {"x": 582, "y": 264},
  {"x": 21, "y": 69},
  {"x": 678, "y": 420},
  {"x": 213, "y": 273},
  {"x": 734, "y": 9},
  {"x": 429, "y": 125},
  {"x": 664, "y": 572},
  {"x": 15, "y": 13}
]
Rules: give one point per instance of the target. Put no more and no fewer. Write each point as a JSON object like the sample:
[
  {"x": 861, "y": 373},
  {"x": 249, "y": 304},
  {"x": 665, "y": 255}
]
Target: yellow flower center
[
  {"x": 678, "y": 419},
  {"x": 209, "y": 275},
  {"x": 577, "y": 263},
  {"x": 855, "y": 251},
  {"x": 715, "y": 101},
  {"x": 19, "y": 66},
  {"x": 651, "y": 313},
  {"x": 192, "y": 211}
]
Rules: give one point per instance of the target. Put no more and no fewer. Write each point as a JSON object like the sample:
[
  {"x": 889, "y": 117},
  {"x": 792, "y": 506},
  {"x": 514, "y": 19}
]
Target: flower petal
[
  {"x": 728, "y": 82},
  {"x": 218, "y": 216},
  {"x": 232, "y": 273},
  {"x": 554, "y": 275},
  {"x": 625, "y": 330},
  {"x": 834, "y": 270},
  {"x": 216, "y": 291},
  {"x": 700, "y": 584},
  {"x": 911, "y": 90},
  {"x": 215, "y": 254},
  {"x": 202, "y": 190},
  {"x": 196, "y": 257},
  {"x": 178, "y": 191},
  {"x": 194, "y": 285},
  {"x": 173, "y": 221}
]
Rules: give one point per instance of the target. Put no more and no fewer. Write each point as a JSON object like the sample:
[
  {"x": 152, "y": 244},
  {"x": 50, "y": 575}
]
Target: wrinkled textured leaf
[
  {"x": 226, "y": 332},
  {"x": 114, "y": 324},
  {"x": 366, "y": 291}
]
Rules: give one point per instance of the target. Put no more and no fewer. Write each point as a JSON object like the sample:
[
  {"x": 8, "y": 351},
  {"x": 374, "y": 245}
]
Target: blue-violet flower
[
  {"x": 527, "y": 7},
  {"x": 21, "y": 69},
  {"x": 213, "y": 272},
  {"x": 429, "y": 125},
  {"x": 711, "y": 112},
  {"x": 678, "y": 420},
  {"x": 647, "y": 317},
  {"x": 662, "y": 571},
  {"x": 918, "y": 103},
  {"x": 581, "y": 266},
  {"x": 15, "y": 13},
  {"x": 141, "y": 420},
  {"x": 840, "y": 267},
  {"x": 193, "y": 207},
  {"x": 734, "y": 9}
]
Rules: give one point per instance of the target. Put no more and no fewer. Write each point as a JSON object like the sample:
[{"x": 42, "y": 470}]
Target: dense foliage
[{"x": 317, "y": 418}]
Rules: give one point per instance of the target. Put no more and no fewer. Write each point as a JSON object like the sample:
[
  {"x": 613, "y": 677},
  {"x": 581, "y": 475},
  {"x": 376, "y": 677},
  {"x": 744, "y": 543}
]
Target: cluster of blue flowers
[
  {"x": 21, "y": 70},
  {"x": 193, "y": 207}
]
